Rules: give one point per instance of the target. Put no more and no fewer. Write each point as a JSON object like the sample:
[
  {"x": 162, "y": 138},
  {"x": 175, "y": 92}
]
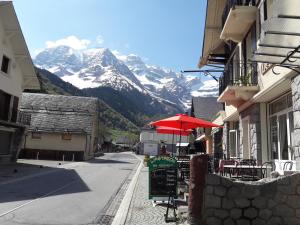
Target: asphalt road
[{"x": 81, "y": 193}]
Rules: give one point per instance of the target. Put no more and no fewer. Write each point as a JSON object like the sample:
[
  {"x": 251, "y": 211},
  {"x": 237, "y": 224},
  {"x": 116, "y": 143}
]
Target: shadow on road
[
  {"x": 104, "y": 161},
  {"x": 59, "y": 182}
]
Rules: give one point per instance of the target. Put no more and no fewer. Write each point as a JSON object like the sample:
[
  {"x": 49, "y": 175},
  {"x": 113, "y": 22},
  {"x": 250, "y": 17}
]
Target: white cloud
[
  {"x": 71, "y": 41},
  {"x": 99, "y": 39}
]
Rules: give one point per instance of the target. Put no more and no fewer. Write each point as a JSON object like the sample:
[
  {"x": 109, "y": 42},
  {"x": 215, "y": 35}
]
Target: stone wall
[
  {"x": 266, "y": 202},
  {"x": 253, "y": 112},
  {"x": 296, "y": 108}
]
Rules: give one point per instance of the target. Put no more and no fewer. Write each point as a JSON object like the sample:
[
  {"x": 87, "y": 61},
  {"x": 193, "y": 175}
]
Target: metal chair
[
  {"x": 264, "y": 172},
  {"x": 288, "y": 165}
]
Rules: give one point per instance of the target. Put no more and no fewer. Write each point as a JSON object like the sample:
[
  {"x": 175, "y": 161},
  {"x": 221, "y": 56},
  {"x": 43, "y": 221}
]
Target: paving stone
[
  {"x": 226, "y": 182},
  {"x": 265, "y": 214},
  {"x": 213, "y": 221},
  {"x": 141, "y": 211},
  {"x": 271, "y": 203},
  {"x": 298, "y": 190},
  {"x": 283, "y": 181},
  {"x": 251, "y": 191},
  {"x": 229, "y": 221},
  {"x": 233, "y": 192},
  {"x": 283, "y": 210},
  {"x": 258, "y": 221},
  {"x": 268, "y": 190},
  {"x": 291, "y": 221},
  {"x": 220, "y": 191},
  {"x": 242, "y": 202},
  {"x": 210, "y": 212},
  {"x": 288, "y": 190},
  {"x": 213, "y": 179},
  {"x": 221, "y": 213},
  {"x": 209, "y": 189},
  {"x": 298, "y": 213},
  {"x": 227, "y": 203},
  {"x": 243, "y": 222},
  {"x": 250, "y": 213},
  {"x": 293, "y": 201},
  {"x": 235, "y": 213},
  {"x": 212, "y": 201},
  {"x": 259, "y": 202},
  {"x": 275, "y": 221}
]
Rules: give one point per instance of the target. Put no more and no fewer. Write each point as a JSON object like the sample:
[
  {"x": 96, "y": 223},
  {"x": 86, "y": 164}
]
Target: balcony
[
  {"x": 238, "y": 16},
  {"x": 238, "y": 83}
]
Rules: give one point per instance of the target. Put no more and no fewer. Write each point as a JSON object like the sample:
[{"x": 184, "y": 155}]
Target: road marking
[{"x": 36, "y": 199}]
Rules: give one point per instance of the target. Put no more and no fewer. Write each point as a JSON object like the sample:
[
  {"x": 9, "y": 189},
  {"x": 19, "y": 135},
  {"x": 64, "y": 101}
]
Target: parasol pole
[
  {"x": 180, "y": 137},
  {"x": 173, "y": 144}
]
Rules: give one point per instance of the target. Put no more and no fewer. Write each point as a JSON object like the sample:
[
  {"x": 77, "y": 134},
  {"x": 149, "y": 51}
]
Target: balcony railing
[
  {"x": 232, "y": 3},
  {"x": 238, "y": 74}
]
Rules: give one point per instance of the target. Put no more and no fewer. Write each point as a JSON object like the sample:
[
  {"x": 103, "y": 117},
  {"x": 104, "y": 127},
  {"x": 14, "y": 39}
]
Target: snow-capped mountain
[{"x": 99, "y": 67}]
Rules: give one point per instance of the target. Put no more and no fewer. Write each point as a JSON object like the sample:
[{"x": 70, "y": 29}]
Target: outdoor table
[{"x": 240, "y": 169}]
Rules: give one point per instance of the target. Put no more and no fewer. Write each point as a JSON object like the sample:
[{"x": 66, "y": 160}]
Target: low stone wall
[{"x": 265, "y": 202}]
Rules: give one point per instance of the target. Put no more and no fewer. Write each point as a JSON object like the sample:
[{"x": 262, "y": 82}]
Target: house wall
[
  {"x": 10, "y": 83},
  {"x": 274, "y": 201},
  {"x": 252, "y": 114},
  {"x": 54, "y": 142}
]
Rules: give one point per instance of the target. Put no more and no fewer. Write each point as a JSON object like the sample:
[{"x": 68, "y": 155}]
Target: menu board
[{"x": 162, "y": 177}]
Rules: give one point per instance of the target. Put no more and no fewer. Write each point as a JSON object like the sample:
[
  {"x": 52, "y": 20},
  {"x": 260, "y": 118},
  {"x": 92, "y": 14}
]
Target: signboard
[
  {"x": 151, "y": 149},
  {"x": 162, "y": 177}
]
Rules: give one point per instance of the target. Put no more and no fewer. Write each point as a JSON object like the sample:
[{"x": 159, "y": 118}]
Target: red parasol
[
  {"x": 171, "y": 130},
  {"x": 184, "y": 122}
]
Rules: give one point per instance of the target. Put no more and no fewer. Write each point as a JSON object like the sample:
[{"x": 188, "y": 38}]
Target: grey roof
[
  {"x": 58, "y": 113},
  {"x": 205, "y": 107}
]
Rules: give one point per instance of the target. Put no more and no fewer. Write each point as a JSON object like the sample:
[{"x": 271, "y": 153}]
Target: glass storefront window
[
  {"x": 274, "y": 137},
  {"x": 281, "y": 127}
]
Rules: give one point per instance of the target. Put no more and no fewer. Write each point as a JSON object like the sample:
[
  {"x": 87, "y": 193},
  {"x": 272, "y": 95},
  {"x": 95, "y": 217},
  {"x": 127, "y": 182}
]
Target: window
[
  {"x": 233, "y": 143},
  {"x": 5, "y": 64},
  {"x": 36, "y": 135},
  {"x": 66, "y": 136},
  {"x": 281, "y": 127},
  {"x": 4, "y": 106}
]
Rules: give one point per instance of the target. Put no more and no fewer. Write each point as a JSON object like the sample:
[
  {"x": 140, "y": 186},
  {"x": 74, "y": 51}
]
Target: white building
[
  {"x": 150, "y": 139},
  {"x": 16, "y": 74}
]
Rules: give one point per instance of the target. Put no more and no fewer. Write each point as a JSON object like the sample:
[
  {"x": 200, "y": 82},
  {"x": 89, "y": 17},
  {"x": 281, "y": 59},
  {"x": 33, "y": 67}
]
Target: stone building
[
  {"x": 16, "y": 74},
  {"x": 257, "y": 45},
  {"x": 60, "y": 127},
  {"x": 206, "y": 108}
]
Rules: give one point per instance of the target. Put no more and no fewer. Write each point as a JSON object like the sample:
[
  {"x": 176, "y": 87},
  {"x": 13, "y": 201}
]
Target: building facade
[
  {"x": 257, "y": 45},
  {"x": 149, "y": 138},
  {"x": 16, "y": 74},
  {"x": 206, "y": 108},
  {"x": 60, "y": 127}
]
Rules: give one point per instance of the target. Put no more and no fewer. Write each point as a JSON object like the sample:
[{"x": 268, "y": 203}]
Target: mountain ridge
[{"x": 92, "y": 68}]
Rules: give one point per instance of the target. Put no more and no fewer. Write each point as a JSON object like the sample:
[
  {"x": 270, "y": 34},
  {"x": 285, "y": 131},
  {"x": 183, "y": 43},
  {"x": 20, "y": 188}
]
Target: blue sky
[{"x": 164, "y": 32}]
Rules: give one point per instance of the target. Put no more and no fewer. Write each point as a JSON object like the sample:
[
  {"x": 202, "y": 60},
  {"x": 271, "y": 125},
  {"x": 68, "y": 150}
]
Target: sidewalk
[{"x": 141, "y": 211}]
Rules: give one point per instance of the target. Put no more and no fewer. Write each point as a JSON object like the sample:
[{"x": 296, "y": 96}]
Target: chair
[
  {"x": 264, "y": 168},
  {"x": 222, "y": 163},
  {"x": 288, "y": 165}
]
